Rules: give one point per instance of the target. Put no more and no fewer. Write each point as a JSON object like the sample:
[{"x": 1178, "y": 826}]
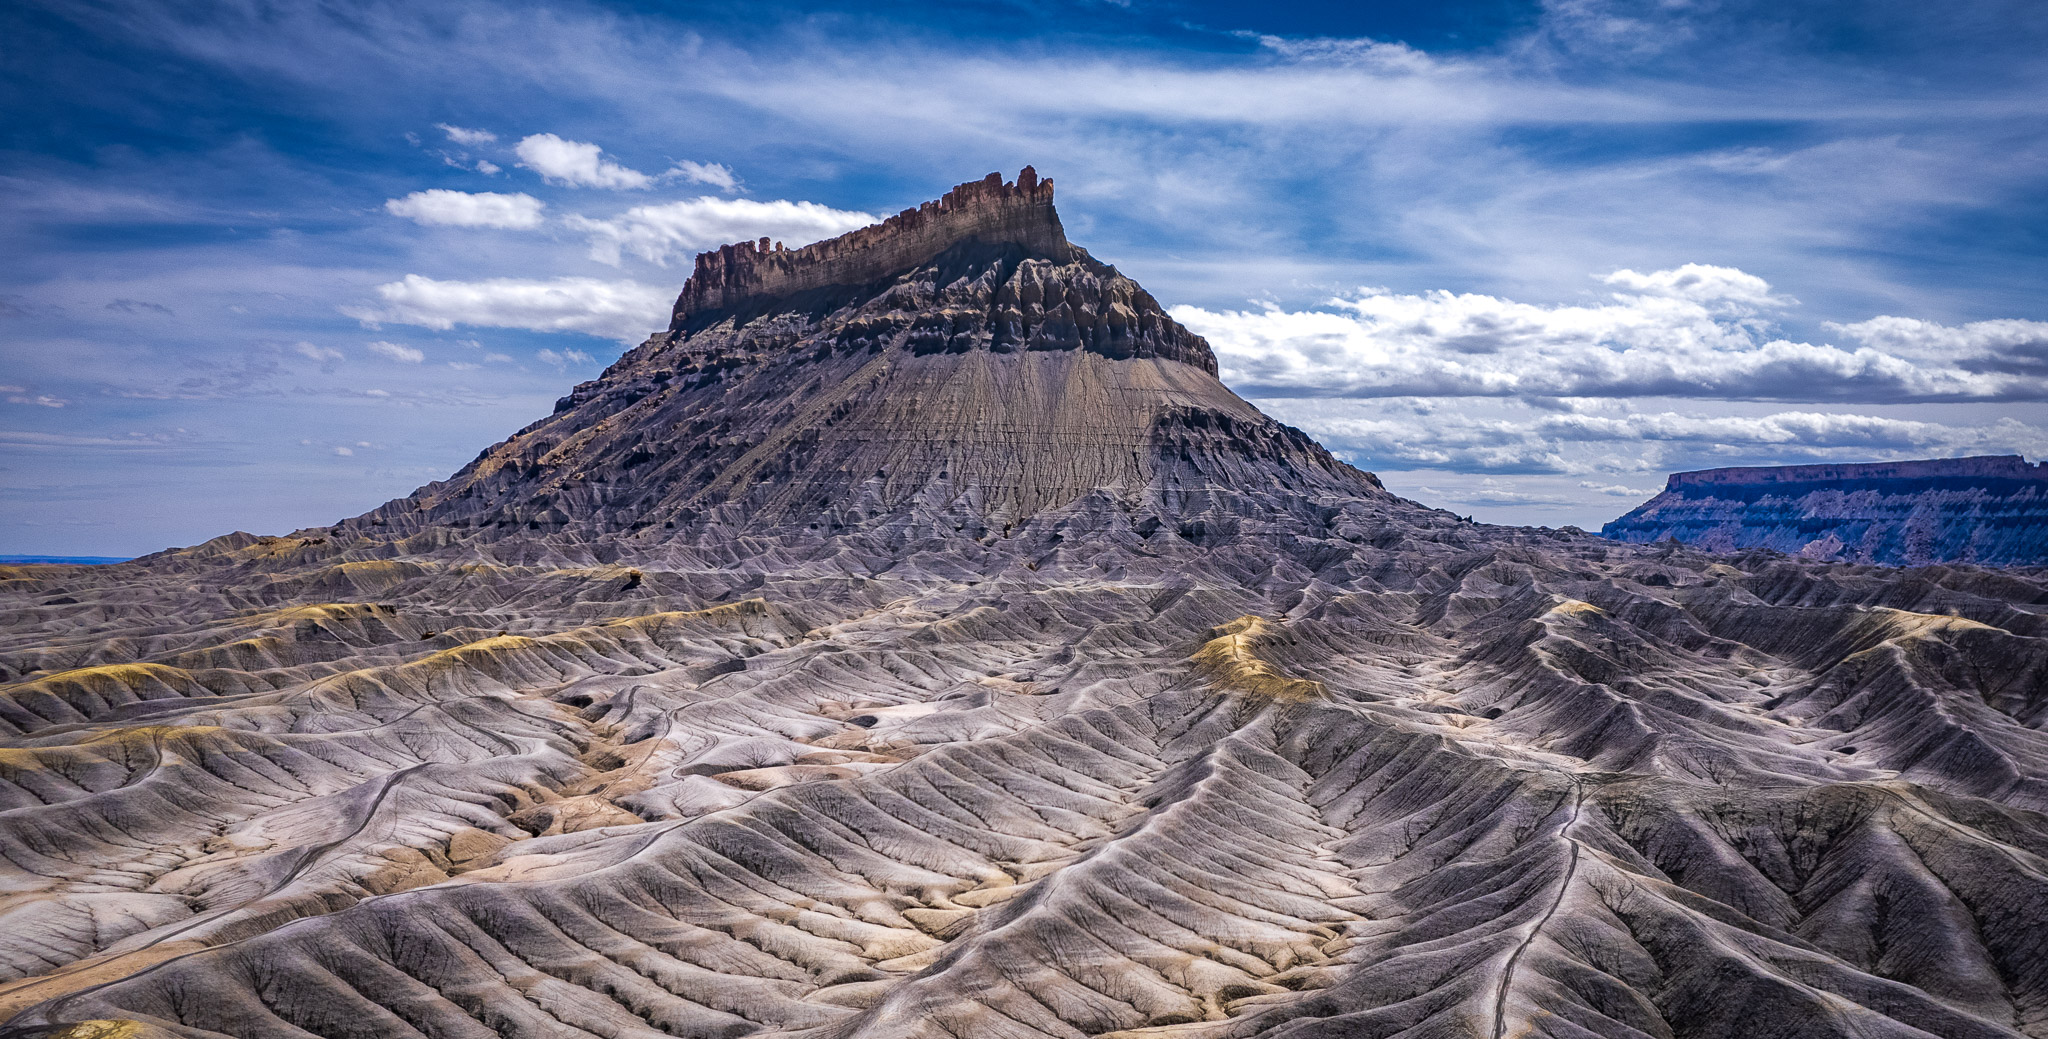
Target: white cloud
[
  {"x": 576, "y": 164},
  {"x": 40, "y": 400},
  {"x": 1694, "y": 331},
  {"x": 322, "y": 354},
  {"x": 624, "y": 310},
  {"x": 466, "y": 137},
  {"x": 401, "y": 354},
  {"x": 711, "y": 173},
  {"x": 343, "y": 452},
  {"x": 1514, "y": 440},
  {"x": 564, "y": 358},
  {"x": 656, "y": 233},
  {"x": 1367, "y": 55},
  {"x": 497, "y": 359},
  {"x": 1724, "y": 288},
  {"x": 487, "y": 167},
  {"x": 2004, "y": 345},
  {"x": 1616, "y": 490},
  {"x": 442, "y": 207}
]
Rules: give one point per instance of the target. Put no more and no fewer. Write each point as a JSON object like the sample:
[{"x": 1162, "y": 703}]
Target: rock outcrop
[
  {"x": 924, "y": 644},
  {"x": 1991, "y": 510}
]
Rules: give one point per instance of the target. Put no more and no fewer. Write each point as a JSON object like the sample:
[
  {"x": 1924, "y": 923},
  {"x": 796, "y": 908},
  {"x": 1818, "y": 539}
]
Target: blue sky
[{"x": 273, "y": 264}]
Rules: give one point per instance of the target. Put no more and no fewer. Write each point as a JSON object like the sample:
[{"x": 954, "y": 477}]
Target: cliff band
[{"x": 1990, "y": 510}]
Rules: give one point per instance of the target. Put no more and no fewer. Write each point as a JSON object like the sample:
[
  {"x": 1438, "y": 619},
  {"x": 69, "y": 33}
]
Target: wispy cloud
[
  {"x": 136, "y": 306},
  {"x": 711, "y": 173},
  {"x": 397, "y": 352},
  {"x": 466, "y": 137},
  {"x": 326, "y": 355},
  {"x": 445, "y": 208},
  {"x": 623, "y": 310},
  {"x": 563, "y": 358}
]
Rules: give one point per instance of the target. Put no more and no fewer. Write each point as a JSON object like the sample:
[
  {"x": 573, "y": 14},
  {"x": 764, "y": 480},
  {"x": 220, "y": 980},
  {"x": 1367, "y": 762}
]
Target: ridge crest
[{"x": 1019, "y": 212}]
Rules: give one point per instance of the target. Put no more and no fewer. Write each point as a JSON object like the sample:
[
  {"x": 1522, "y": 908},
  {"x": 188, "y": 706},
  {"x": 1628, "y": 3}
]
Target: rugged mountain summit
[
  {"x": 960, "y": 365},
  {"x": 1991, "y": 510},
  {"x": 915, "y": 640}
]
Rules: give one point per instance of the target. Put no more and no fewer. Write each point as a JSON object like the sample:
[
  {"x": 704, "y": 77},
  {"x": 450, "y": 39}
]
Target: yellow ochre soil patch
[{"x": 1231, "y": 660}]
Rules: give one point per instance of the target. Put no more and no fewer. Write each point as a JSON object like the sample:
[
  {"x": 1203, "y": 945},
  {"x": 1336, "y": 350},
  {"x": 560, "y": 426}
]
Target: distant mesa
[
  {"x": 1989, "y": 509},
  {"x": 61, "y": 560}
]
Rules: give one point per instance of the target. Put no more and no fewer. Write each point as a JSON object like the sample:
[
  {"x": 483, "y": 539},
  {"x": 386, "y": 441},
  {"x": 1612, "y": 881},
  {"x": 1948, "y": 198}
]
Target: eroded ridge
[{"x": 1559, "y": 790}]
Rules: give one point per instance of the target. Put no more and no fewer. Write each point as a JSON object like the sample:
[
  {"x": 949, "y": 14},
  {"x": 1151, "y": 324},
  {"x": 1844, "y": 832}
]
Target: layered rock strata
[
  {"x": 1991, "y": 510},
  {"x": 958, "y": 690}
]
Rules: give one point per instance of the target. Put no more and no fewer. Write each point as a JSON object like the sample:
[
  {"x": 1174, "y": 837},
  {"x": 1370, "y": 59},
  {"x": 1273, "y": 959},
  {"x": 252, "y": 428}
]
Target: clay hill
[
  {"x": 1990, "y": 510},
  {"x": 915, "y": 639}
]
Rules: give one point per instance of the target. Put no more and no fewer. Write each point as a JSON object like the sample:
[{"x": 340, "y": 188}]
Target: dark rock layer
[{"x": 1990, "y": 510}]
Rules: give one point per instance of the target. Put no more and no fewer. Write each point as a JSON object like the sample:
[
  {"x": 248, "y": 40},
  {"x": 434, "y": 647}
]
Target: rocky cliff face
[
  {"x": 922, "y": 643},
  {"x": 1990, "y": 510}
]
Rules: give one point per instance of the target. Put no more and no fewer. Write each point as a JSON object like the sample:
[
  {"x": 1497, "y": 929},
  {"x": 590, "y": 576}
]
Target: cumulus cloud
[
  {"x": 576, "y": 164},
  {"x": 445, "y": 208},
  {"x": 396, "y": 352},
  {"x": 1724, "y": 289},
  {"x": 1404, "y": 435},
  {"x": 1695, "y": 331},
  {"x": 466, "y": 137},
  {"x": 2005, "y": 346},
  {"x": 656, "y": 233},
  {"x": 623, "y": 310}
]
